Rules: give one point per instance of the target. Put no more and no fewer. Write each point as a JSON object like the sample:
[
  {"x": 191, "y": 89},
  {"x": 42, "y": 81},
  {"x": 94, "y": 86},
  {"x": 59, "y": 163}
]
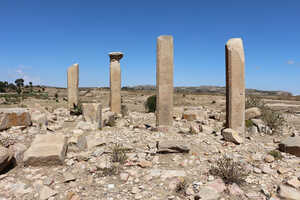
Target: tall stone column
[
  {"x": 115, "y": 81},
  {"x": 73, "y": 82},
  {"x": 235, "y": 85},
  {"x": 164, "y": 81}
]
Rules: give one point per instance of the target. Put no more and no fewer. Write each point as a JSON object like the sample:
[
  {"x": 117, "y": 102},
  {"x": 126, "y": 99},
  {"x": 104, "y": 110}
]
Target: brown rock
[
  {"x": 10, "y": 117},
  {"x": 46, "y": 150}
]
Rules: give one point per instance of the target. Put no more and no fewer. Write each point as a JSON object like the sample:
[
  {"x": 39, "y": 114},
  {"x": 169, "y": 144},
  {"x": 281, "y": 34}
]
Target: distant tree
[
  {"x": 2, "y": 87},
  {"x": 12, "y": 87},
  {"x": 30, "y": 85},
  {"x": 19, "y": 82}
]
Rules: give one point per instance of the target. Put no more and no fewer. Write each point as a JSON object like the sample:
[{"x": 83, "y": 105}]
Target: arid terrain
[{"x": 131, "y": 159}]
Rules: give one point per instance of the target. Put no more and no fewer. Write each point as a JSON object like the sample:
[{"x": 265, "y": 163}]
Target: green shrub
[
  {"x": 229, "y": 170},
  {"x": 150, "y": 104},
  {"x": 276, "y": 154},
  {"x": 77, "y": 109},
  {"x": 112, "y": 170},
  {"x": 181, "y": 186},
  {"x": 249, "y": 123},
  {"x": 273, "y": 119},
  {"x": 118, "y": 153}
]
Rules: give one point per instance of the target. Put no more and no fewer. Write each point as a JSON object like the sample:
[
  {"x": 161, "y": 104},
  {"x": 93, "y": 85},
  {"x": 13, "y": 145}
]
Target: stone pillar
[
  {"x": 164, "y": 81},
  {"x": 235, "y": 85},
  {"x": 73, "y": 81},
  {"x": 115, "y": 82}
]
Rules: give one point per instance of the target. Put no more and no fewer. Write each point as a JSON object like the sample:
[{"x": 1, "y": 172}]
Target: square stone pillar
[
  {"x": 73, "y": 82},
  {"x": 164, "y": 81},
  {"x": 115, "y": 82},
  {"x": 235, "y": 85}
]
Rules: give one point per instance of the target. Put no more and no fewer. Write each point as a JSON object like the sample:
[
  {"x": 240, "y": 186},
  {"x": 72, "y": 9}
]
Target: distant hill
[{"x": 212, "y": 90}]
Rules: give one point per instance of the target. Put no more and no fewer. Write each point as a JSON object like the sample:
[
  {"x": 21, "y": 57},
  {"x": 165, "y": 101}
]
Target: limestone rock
[
  {"x": 39, "y": 118},
  {"x": 10, "y": 117},
  {"x": 92, "y": 112},
  {"x": 251, "y": 113},
  {"x": 269, "y": 158},
  {"x": 291, "y": 145},
  {"x": 5, "y": 157},
  {"x": 46, "y": 150},
  {"x": 172, "y": 147},
  {"x": 231, "y": 135},
  {"x": 287, "y": 192},
  {"x": 207, "y": 193},
  {"x": 189, "y": 115},
  {"x": 46, "y": 192},
  {"x": 294, "y": 182}
]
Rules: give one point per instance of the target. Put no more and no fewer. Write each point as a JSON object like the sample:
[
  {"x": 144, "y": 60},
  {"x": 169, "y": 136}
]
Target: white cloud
[
  {"x": 290, "y": 62},
  {"x": 24, "y": 72}
]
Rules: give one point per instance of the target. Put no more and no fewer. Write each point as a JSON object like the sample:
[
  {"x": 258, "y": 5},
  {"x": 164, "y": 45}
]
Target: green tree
[
  {"x": 20, "y": 83},
  {"x": 2, "y": 86}
]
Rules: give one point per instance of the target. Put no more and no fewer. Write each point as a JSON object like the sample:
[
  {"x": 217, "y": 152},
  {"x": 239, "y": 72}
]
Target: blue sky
[{"x": 40, "y": 39}]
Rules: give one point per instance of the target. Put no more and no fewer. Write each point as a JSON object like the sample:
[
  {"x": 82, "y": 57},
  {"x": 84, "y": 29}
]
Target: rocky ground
[{"x": 64, "y": 157}]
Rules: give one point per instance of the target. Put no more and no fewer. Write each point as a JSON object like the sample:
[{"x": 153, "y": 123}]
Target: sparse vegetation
[
  {"x": 276, "y": 154},
  {"x": 112, "y": 170},
  {"x": 272, "y": 119},
  {"x": 181, "y": 186},
  {"x": 229, "y": 170},
  {"x": 150, "y": 104},
  {"x": 77, "y": 110},
  {"x": 118, "y": 153},
  {"x": 249, "y": 123},
  {"x": 56, "y": 97}
]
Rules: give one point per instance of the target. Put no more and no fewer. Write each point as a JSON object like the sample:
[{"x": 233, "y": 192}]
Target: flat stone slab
[
  {"x": 291, "y": 145},
  {"x": 46, "y": 150},
  {"x": 10, "y": 117}
]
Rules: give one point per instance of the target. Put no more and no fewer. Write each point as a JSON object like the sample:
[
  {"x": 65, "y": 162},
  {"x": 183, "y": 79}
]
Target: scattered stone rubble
[{"x": 67, "y": 162}]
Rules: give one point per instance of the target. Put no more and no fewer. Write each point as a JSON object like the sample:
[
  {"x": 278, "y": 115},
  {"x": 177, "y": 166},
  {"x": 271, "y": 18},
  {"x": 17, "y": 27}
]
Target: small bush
[
  {"x": 110, "y": 171},
  {"x": 276, "y": 154},
  {"x": 249, "y": 123},
  {"x": 118, "y": 154},
  {"x": 77, "y": 109},
  {"x": 273, "y": 119},
  {"x": 150, "y": 104},
  {"x": 229, "y": 170},
  {"x": 181, "y": 186}
]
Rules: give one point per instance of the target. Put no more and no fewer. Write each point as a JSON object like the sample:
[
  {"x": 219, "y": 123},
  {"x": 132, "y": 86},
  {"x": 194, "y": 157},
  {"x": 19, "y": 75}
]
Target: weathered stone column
[
  {"x": 164, "y": 81},
  {"x": 235, "y": 85},
  {"x": 73, "y": 81},
  {"x": 115, "y": 82}
]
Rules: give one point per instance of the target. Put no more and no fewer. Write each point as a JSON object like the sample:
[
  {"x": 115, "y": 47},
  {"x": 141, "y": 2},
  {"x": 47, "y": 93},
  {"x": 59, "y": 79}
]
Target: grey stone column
[
  {"x": 164, "y": 81},
  {"x": 73, "y": 82},
  {"x": 235, "y": 85},
  {"x": 115, "y": 82}
]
